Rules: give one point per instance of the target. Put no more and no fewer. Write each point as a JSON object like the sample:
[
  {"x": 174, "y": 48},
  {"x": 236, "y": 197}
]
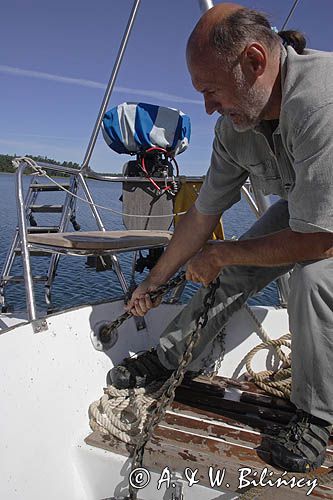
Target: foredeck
[{"x": 228, "y": 426}]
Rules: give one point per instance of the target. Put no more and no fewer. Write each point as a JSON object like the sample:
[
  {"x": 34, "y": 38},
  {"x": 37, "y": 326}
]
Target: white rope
[
  {"x": 276, "y": 382},
  {"x": 39, "y": 171},
  {"x": 122, "y": 412}
]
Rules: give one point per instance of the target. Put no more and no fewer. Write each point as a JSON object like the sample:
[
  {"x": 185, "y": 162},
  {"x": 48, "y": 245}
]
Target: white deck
[
  {"x": 9, "y": 320},
  {"x": 48, "y": 382}
]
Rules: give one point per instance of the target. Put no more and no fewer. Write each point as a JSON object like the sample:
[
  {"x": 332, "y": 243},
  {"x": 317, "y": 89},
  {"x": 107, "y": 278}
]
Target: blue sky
[{"x": 56, "y": 57}]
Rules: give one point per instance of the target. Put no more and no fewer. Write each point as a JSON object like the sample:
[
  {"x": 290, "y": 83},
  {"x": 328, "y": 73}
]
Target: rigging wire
[
  {"x": 292, "y": 10},
  {"x": 42, "y": 173}
]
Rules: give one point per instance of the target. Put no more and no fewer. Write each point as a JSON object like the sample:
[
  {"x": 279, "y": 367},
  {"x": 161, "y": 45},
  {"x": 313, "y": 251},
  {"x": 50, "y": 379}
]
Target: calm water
[{"x": 75, "y": 283}]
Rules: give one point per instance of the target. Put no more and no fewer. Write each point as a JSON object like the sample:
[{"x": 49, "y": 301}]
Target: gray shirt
[{"x": 295, "y": 161}]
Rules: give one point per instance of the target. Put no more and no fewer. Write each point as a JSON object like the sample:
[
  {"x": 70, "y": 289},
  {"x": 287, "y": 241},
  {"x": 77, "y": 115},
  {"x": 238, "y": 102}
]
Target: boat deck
[
  {"x": 226, "y": 425},
  {"x": 10, "y": 320}
]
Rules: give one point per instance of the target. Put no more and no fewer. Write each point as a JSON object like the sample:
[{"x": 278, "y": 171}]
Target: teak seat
[{"x": 99, "y": 242}]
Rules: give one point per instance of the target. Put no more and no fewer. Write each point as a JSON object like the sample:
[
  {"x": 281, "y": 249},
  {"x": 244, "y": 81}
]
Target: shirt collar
[
  {"x": 283, "y": 66},
  {"x": 260, "y": 128}
]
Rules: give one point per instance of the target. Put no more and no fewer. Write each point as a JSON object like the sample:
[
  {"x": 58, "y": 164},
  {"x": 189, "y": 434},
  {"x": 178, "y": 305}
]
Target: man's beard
[{"x": 252, "y": 103}]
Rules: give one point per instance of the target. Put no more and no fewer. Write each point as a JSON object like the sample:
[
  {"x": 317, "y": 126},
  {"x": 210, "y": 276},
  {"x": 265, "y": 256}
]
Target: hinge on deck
[
  {"x": 175, "y": 491},
  {"x": 39, "y": 326}
]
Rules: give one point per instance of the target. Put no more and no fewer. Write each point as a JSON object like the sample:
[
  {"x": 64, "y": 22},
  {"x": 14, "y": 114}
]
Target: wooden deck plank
[
  {"x": 250, "y": 392},
  {"x": 203, "y": 454},
  {"x": 239, "y": 420},
  {"x": 208, "y": 423},
  {"x": 164, "y": 452},
  {"x": 197, "y": 398},
  {"x": 223, "y": 434}
]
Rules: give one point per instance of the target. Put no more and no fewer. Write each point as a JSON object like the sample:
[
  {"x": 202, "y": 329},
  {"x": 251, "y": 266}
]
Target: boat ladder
[
  {"x": 104, "y": 246},
  {"x": 67, "y": 211}
]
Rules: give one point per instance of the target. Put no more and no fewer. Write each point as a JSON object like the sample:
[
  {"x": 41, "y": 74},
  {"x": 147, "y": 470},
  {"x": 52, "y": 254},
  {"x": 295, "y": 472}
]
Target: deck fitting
[{"x": 39, "y": 326}]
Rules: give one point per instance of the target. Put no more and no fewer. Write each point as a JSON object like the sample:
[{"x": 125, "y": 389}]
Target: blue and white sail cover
[{"x": 134, "y": 127}]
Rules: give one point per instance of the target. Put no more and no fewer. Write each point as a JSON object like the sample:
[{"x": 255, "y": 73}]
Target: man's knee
[
  {"x": 307, "y": 276},
  {"x": 274, "y": 219}
]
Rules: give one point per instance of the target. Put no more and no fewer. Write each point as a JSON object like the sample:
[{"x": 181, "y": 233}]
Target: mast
[{"x": 205, "y": 5}]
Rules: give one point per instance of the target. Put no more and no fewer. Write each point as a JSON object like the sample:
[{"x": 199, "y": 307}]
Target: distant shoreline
[
  {"x": 29, "y": 174},
  {"x": 62, "y": 176}
]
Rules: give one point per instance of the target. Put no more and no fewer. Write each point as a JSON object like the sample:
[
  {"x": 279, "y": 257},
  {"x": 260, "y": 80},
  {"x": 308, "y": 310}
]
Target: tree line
[{"x": 7, "y": 166}]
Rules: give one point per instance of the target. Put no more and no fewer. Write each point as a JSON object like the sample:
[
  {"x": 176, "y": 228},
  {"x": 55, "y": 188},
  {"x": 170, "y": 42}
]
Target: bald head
[
  {"x": 225, "y": 29},
  {"x": 234, "y": 60},
  {"x": 200, "y": 38}
]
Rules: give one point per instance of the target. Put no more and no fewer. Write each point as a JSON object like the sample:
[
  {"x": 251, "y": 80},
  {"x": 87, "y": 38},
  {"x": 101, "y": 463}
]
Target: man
[{"x": 276, "y": 104}]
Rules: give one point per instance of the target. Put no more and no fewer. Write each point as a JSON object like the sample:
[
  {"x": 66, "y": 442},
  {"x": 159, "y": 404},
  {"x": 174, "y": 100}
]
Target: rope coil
[
  {"x": 123, "y": 412},
  {"x": 275, "y": 382}
]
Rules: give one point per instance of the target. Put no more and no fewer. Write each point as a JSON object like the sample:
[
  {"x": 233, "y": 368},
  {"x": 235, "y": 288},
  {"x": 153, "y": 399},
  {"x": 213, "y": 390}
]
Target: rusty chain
[
  {"x": 176, "y": 379},
  {"x": 107, "y": 329}
]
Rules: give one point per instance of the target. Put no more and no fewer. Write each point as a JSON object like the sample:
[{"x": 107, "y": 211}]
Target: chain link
[
  {"x": 107, "y": 328},
  {"x": 176, "y": 378},
  {"x": 213, "y": 362}
]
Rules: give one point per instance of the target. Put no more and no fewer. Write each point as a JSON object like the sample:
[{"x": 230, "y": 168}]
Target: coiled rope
[
  {"x": 123, "y": 412},
  {"x": 275, "y": 382}
]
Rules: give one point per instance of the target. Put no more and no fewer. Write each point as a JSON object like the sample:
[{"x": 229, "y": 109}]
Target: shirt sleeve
[
  {"x": 223, "y": 182},
  {"x": 311, "y": 199}
]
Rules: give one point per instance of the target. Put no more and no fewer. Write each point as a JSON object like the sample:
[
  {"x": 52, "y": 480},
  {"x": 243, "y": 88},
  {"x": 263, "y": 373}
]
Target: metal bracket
[
  {"x": 140, "y": 323},
  {"x": 176, "y": 491},
  {"x": 96, "y": 341},
  {"x": 39, "y": 325},
  {"x": 118, "y": 498}
]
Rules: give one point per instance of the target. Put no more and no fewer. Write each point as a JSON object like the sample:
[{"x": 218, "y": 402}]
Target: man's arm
[
  {"x": 276, "y": 249},
  {"x": 220, "y": 190},
  {"x": 191, "y": 233},
  {"x": 281, "y": 248},
  {"x": 310, "y": 205}
]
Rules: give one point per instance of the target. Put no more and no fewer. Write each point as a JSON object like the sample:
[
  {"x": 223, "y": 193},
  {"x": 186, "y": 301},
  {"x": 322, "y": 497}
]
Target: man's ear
[{"x": 254, "y": 61}]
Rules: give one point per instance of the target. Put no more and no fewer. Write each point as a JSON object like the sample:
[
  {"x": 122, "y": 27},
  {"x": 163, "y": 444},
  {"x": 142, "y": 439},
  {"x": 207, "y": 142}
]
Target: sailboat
[{"x": 214, "y": 438}]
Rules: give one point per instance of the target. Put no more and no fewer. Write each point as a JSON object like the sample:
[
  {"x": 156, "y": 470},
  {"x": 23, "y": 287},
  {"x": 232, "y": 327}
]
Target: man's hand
[
  {"x": 205, "y": 266},
  {"x": 140, "y": 302}
]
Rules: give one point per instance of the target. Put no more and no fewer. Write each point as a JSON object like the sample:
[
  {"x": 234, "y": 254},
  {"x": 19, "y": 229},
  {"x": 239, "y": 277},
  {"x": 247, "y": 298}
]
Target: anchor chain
[
  {"x": 107, "y": 328},
  {"x": 176, "y": 378}
]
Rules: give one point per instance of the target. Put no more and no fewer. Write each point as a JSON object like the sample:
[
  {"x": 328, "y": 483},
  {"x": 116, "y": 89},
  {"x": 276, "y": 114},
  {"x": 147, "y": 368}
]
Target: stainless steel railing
[{"x": 23, "y": 232}]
